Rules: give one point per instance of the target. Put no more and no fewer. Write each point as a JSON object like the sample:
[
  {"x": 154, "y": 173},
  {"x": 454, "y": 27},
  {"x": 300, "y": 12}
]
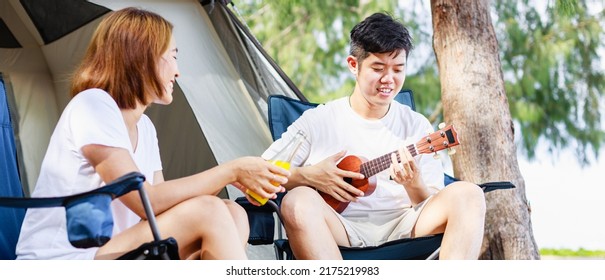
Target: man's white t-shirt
[
  {"x": 91, "y": 117},
  {"x": 334, "y": 127}
]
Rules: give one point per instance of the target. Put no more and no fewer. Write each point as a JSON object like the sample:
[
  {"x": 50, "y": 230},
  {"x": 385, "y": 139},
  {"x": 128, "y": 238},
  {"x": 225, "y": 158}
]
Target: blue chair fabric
[{"x": 10, "y": 185}]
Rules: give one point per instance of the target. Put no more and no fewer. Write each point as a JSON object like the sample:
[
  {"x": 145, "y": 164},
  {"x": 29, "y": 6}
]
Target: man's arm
[{"x": 326, "y": 177}]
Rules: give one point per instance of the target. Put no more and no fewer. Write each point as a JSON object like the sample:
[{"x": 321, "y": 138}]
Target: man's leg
[
  {"x": 314, "y": 231},
  {"x": 459, "y": 212}
]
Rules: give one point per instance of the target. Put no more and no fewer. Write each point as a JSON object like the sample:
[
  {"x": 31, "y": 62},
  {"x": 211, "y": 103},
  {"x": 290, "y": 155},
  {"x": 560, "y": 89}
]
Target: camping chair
[
  {"x": 283, "y": 111},
  {"x": 88, "y": 215}
]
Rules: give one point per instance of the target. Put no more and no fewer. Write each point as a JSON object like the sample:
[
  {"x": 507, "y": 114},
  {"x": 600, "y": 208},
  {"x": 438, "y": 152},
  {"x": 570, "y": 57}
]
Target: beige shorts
[{"x": 379, "y": 227}]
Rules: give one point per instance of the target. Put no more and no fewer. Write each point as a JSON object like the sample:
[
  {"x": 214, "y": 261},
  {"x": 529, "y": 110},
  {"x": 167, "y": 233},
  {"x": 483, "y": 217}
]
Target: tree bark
[{"x": 474, "y": 100}]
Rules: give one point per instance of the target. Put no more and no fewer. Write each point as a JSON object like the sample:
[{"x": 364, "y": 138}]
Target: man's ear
[{"x": 352, "y": 63}]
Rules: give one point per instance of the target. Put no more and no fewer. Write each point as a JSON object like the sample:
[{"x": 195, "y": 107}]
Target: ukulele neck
[{"x": 377, "y": 165}]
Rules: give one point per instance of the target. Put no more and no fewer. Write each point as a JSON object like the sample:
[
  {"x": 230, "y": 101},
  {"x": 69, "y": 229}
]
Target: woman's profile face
[{"x": 168, "y": 69}]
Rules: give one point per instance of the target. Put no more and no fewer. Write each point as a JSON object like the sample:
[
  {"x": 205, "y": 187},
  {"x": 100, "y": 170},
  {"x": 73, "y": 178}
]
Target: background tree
[{"x": 474, "y": 99}]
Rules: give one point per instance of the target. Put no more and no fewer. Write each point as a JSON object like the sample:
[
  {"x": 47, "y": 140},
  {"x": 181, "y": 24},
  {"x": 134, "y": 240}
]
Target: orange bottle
[{"x": 282, "y": 159}]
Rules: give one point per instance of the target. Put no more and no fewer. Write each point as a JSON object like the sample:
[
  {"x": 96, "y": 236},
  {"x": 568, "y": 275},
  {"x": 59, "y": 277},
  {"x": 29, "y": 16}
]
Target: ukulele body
[
  {"x": 445, "y": 138},
  {"x": 366, "y": 185}
]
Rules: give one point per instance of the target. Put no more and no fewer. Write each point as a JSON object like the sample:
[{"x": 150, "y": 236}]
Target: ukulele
[{"x": 445, "y": 138}]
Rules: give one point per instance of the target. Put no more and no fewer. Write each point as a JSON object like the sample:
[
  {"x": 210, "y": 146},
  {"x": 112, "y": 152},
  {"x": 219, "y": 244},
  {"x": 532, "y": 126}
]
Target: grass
[{"x": 572, "y": 253}]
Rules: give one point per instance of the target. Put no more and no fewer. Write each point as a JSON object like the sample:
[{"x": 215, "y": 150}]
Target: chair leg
[
  {"x": 150, "y": 215},
  {"x": 434, "y": 255},
  {"x": 152, "y": 221},
  {"x": 279, "y": 253}
]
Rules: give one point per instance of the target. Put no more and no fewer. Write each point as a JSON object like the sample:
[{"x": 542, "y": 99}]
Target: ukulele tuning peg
[
  {"x": 451, "y": 151},
  {"x": 436, "y": 156},
  {"x": 441, "y": 125}
]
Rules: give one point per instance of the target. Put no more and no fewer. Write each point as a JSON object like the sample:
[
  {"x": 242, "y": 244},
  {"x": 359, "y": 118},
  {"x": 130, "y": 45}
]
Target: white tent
[{"x": 219, "y": 109}]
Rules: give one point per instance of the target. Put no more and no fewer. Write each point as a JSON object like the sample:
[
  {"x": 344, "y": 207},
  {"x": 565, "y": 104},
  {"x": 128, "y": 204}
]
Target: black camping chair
[
  {"x": 89, "y": 217},
  {"x": 283, "y": 111}
]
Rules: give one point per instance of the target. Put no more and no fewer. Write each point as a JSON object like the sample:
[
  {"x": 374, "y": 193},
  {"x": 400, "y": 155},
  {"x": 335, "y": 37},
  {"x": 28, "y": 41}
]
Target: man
[{"x": 409, "y": 200}]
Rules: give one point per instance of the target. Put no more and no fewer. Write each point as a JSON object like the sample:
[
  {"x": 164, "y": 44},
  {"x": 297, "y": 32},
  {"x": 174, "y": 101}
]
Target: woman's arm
[{"x": 254, "y": 173}]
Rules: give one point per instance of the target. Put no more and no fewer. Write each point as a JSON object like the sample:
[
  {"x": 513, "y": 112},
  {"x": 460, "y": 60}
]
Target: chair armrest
[
  {"x": 487, "y": 187},
  {"x": 88, "y": 215},
  {"x": 121, "y": 186},
  {"x": 492, "y": 186}
]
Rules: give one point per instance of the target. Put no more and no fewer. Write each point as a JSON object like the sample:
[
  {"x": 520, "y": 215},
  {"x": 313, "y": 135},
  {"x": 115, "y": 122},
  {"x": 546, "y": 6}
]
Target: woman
[{"x": 103, "y": 134}]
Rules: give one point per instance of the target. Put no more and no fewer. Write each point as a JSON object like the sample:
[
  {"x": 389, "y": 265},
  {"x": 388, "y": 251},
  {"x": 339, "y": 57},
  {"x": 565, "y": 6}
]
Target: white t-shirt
[
  {"x": 91, "y": 117},
  {"x": 334, "y": 127}
]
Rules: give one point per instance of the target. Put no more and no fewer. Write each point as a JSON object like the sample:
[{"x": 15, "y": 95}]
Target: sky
[{"x": 566, "y": 201}]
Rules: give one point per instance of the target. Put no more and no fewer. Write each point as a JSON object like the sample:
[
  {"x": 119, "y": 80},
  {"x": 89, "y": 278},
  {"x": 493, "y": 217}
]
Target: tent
[{"x": 219, "y": 108}]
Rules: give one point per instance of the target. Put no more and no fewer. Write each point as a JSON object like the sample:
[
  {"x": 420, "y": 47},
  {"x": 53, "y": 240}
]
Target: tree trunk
[{"x": 474, "y": 100}]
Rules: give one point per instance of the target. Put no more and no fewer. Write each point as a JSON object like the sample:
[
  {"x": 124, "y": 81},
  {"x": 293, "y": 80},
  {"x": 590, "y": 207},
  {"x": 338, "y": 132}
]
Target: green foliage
[
  {"x": 306, "y": 38},
  {"x": 310, "y": 39},
  {"x": 427, "y": 91},
  {"x": 552, "y": 71},
  {"x": 554, "y": 79},
  {"x": 566, "y": 7},
  {"x": 572, "y": 253}
]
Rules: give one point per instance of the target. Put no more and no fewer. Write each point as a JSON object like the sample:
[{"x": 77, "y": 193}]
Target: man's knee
[
  {"x": 299, "y": 203},
  {"x": 468, "y": 195}
]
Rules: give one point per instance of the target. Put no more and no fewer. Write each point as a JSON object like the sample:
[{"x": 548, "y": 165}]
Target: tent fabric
[
  {"x": 36, "y": 74},
  {"x": 7, "y": 39},
  {"x": 191, "y": 153},
  {"x": 10, "y": 185},
  {"x": 287, "y": 87},
  {"x": 73, "y": 15},
  {"x": 220, "y": 99},
  {"x": 221, "y": 110}
]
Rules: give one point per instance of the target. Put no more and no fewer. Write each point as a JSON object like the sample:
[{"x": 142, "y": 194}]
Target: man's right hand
[{"x": 326, "y": 177}]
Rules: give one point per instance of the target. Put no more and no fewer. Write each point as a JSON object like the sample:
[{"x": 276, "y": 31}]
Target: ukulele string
[{"x": 372, "y": 167}]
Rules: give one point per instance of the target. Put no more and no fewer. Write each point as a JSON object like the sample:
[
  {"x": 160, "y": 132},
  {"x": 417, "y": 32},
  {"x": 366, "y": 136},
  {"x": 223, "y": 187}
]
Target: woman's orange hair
[{"x": 123, "y": 55}]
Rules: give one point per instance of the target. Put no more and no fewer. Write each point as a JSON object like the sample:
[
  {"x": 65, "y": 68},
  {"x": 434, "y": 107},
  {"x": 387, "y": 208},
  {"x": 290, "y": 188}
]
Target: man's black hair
[{"x": 379, "y": 33}]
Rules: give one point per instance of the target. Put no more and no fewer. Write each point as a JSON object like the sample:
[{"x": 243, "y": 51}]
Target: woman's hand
[
  {"x": 248, "y": 197},
  {"x": 259, "y": 176}
]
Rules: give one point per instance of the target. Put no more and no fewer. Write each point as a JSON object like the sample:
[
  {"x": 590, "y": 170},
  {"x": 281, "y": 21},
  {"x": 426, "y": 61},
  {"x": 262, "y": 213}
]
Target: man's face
[{"x": 380, "y": 76}]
